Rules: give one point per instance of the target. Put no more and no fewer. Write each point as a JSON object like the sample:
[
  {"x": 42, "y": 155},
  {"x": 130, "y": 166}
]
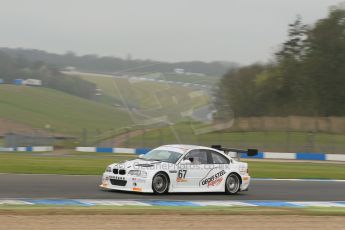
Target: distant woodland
[
  {"x": 307, "y": 76},
  {"x": 20, "y": 68}
]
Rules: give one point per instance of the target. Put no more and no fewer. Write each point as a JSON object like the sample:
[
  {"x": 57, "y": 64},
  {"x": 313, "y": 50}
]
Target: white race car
[{"x": 180, "y": 168}]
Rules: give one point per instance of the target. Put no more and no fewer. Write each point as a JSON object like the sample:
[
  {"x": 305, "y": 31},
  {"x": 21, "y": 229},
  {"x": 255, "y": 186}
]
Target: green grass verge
[
  {"x": 95, "y": 163},
  {"x": 74, "y": 164},
  {"x": 157, "y": 210},
  {"x": 297, "y": 170}
]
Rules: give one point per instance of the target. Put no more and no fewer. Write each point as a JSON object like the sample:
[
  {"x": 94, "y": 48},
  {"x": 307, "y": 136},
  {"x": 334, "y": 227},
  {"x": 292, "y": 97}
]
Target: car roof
[{"x": 185, "y": 147}]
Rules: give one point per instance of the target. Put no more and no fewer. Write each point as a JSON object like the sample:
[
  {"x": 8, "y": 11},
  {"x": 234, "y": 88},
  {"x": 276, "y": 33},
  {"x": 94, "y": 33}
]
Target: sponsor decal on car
[
  {"x": 137, "y": 189},
  {"x": 215, "y": 182},
  {"x": 181, "y": 180},
  {"x": 117, "y": 177},
  {"x": 181, "y": 176},
  {"x": 138, "y": 179},
  {"x": 212, "y": 179}
]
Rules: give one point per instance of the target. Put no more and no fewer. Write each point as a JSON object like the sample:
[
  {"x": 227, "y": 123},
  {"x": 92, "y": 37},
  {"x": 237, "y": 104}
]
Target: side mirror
[
  {"x": 186, "y": 162},
  {"x": 141, "y": 156}
]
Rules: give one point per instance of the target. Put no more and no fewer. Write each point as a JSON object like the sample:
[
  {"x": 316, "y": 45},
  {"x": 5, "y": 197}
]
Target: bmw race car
[{"x": 180, "y": 168}]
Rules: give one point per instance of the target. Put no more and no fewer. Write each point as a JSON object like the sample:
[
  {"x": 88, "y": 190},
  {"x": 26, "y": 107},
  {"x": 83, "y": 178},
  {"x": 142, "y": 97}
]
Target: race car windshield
[{"x": 162, "y": 155}]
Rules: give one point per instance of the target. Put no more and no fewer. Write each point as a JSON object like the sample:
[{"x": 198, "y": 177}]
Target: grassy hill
[
  {"x": 148, "y": 98},
  {"x": 194, "y": 79},
  {"x": 64, "y": 113}
]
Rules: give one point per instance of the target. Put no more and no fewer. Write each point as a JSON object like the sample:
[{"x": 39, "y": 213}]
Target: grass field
[
  {"x": 194, "y": 79},
  {"x": 149, "y": 98},
  {"x": 95, "y": 163},
  {"x": 264, "y": 141},
  {"x": 38, "y": 107},
  {"x": 67, "y": 114}
]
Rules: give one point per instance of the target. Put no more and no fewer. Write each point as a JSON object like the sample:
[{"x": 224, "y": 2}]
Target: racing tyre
[
  {"x": 160, "y": 183},
  {"x": 232, "y": 184}
]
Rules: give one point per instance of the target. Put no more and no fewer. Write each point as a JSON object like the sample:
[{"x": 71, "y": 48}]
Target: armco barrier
[
  {"x": 261, "y": 155},
  {"x": 28, "y": 149}
]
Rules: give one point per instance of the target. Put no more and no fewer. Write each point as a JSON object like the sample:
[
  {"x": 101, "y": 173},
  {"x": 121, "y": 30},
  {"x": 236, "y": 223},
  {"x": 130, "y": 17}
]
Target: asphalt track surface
[{"x": 86, "y": 187}]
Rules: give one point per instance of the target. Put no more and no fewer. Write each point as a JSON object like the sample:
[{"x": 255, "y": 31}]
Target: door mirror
[{"x": 141, "y": 156}]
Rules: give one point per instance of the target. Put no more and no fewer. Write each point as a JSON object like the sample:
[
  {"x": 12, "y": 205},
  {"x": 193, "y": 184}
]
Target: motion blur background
[{"x": 263, "y": 74}]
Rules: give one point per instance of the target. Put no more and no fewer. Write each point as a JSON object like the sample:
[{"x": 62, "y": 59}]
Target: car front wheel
[
  {"x": 160, "y": 183},
  {"x": 232, "y": 184}
]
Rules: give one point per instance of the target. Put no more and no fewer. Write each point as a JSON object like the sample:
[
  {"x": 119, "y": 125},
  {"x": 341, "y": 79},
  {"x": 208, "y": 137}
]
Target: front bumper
[
  {"x": 132, "y": 183},
  {"x": 245, "y": 182}
]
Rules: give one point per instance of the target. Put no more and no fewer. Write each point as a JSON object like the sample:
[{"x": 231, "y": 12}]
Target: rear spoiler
[{"x": 249, "y": 152}]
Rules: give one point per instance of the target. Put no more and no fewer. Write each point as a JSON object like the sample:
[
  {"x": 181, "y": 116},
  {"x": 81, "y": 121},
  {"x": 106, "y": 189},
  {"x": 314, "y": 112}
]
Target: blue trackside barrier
[
  {"x": 261, "y": 155},
  {"x": 104, "y": 150},
  {"x": 311, "y": 156},
  {"x": 141, "y": 151},
  {"x": 138, "y": 151},
  {"x": 28, "y": 149},
  {"x": 113, "y": 150}
]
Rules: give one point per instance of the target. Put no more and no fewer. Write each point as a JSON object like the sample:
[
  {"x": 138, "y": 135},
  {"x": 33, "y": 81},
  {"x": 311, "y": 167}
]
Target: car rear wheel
[
  {"x": 160, "y": 183},
  {"x": 232, "y": 184}
]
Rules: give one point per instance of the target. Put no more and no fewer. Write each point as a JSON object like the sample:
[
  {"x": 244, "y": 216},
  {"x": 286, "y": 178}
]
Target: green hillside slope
[
  {"x": 149, "y": 99},
  {"x": 64, "y": 113}
]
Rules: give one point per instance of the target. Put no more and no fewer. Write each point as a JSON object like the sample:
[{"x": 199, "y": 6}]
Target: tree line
[
  {"x": 95, "y": 63},
  {"x": 12, "y": 68},
  {"x": 306, "y": 76}
]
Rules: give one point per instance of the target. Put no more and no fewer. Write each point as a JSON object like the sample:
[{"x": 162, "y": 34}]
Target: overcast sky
[{"x": 243, "y": 31}]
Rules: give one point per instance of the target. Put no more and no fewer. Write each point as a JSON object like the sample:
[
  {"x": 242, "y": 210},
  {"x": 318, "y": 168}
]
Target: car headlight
[
  {"x": 108, "y": 169},
  {"x": 139, "y": 173}
]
